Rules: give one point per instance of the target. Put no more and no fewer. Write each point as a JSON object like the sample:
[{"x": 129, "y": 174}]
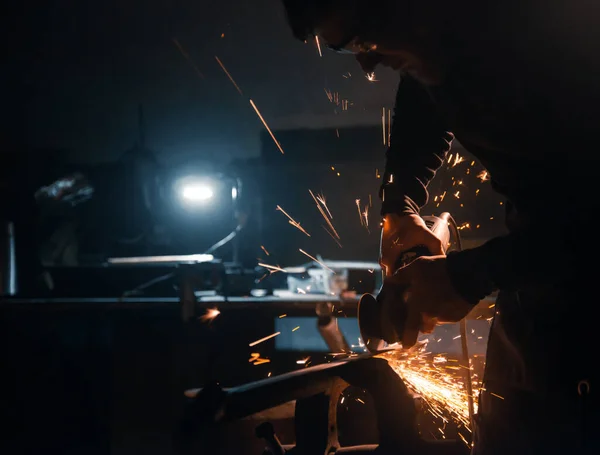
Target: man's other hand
[
  {"x": 428, "y": 296},
  {"x": 401, "y": 233}
]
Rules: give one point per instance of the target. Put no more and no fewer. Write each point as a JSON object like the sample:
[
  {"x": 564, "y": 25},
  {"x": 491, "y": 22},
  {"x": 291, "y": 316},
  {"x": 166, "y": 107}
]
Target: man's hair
[{"x": 305, "y": 15}]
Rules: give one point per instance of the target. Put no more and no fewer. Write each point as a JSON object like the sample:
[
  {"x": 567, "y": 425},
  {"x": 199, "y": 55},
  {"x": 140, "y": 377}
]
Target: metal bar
[
  {"x": 248, "y": 399},
  {"x": 187, "y": 258}
]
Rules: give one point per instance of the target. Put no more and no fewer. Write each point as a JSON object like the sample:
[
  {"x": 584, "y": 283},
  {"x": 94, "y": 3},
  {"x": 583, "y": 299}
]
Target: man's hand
[
  {"x": 401, "y": 233},
  {"x": 427, "y": 295}
]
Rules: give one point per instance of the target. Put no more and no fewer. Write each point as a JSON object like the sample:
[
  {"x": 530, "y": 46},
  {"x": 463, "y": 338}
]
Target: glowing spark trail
[
  {"x": 383, "y": 126},
  {"x": 360, "y": 214},
  {"x": 254, "y": 356},
  {"x": 292, "y": 221},
  {"x": 365, "y": 214},
  {"x": 483, "y": 176},
  {"x": 210, "y": 314},
  {"x": 319, "y": 201},
  {"x": 443, "y": 391},
  {"x": 464, "y": 440},
  {"x": 254, "y": 343},
  {"x": 187, "y": 57},
  {"x": 264, "y": 276},
  {"x": 332, "y": 236},
  {"x": 265, "y": 250},
  {"x": 318, "y": 46},
  {"x": 316, "y": 260},
  {"x": 267, "y": 127},
  {"x": 272, "y": 267},
  {"x": 255, "y": 359},
  {"x": 457, "y": 160},
  {"x": 228, "y": 75},
  {"x": 371, "y": 77}
]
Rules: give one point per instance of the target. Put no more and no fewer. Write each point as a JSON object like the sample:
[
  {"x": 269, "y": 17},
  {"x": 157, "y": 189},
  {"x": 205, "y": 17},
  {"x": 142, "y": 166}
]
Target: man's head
[{"x": 399, "y": 34}]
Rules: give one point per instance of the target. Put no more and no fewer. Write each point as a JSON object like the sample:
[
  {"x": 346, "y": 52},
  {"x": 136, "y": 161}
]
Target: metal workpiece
[
  {"x": 213, "y": 404},
  {"x": 317, "y": 391}
]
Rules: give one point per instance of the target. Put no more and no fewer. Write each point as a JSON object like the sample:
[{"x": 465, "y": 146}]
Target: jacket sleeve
[
  {"x": 548, "y": 252},
  {"x": 556, "y": 246},
  {"x": 418, "y": 147}
]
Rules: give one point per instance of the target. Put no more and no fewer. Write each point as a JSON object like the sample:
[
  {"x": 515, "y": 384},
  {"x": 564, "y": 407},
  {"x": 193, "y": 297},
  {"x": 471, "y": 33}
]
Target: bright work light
[{"x": 194, "y": 191}]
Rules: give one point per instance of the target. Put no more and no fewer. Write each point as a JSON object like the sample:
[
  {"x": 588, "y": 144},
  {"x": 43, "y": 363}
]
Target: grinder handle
[
  {"x": 406, "y": 257},
  {"x": 438, "y": 225}
]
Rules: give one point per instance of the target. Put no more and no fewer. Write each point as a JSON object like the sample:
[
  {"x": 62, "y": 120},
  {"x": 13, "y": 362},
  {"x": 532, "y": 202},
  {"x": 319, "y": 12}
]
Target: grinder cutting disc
[
  {"x": 371, "y": 326},
  {"x": 369, "y": 323}
]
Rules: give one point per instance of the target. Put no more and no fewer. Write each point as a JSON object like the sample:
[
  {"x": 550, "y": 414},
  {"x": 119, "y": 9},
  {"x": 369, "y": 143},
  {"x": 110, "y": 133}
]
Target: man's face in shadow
[{"x": 385, "y": 35}]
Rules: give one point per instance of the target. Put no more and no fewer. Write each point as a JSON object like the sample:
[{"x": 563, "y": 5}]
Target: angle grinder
[{"x": 376, "y": 330}]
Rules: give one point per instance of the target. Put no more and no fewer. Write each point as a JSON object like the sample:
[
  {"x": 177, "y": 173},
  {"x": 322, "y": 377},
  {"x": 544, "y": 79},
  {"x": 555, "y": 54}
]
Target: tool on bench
[{"x": 377, "y": 332}]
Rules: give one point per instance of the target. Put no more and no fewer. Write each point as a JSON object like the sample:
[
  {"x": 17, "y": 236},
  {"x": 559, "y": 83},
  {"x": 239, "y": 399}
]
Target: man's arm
[
  {"x": 551, "y": 251},
  {"x": 419, "y": 144},
  {"x": 561, "y": 39}
]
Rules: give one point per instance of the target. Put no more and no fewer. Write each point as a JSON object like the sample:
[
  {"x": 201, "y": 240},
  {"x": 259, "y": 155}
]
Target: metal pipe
[
  {"x": 8, "y": 273},
  {"x": 173, "y": 259},
  {"x": 327, "y": 325},
  {"x": 467, "y": 369},
  {"x": 331, "y": 333}
]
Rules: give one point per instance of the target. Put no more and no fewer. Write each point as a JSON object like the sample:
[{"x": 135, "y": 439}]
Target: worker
[{"x": 517, "y": 84}]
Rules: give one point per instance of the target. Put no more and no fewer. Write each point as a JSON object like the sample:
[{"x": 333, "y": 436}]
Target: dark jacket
[{"x": 521, "y": 93}]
